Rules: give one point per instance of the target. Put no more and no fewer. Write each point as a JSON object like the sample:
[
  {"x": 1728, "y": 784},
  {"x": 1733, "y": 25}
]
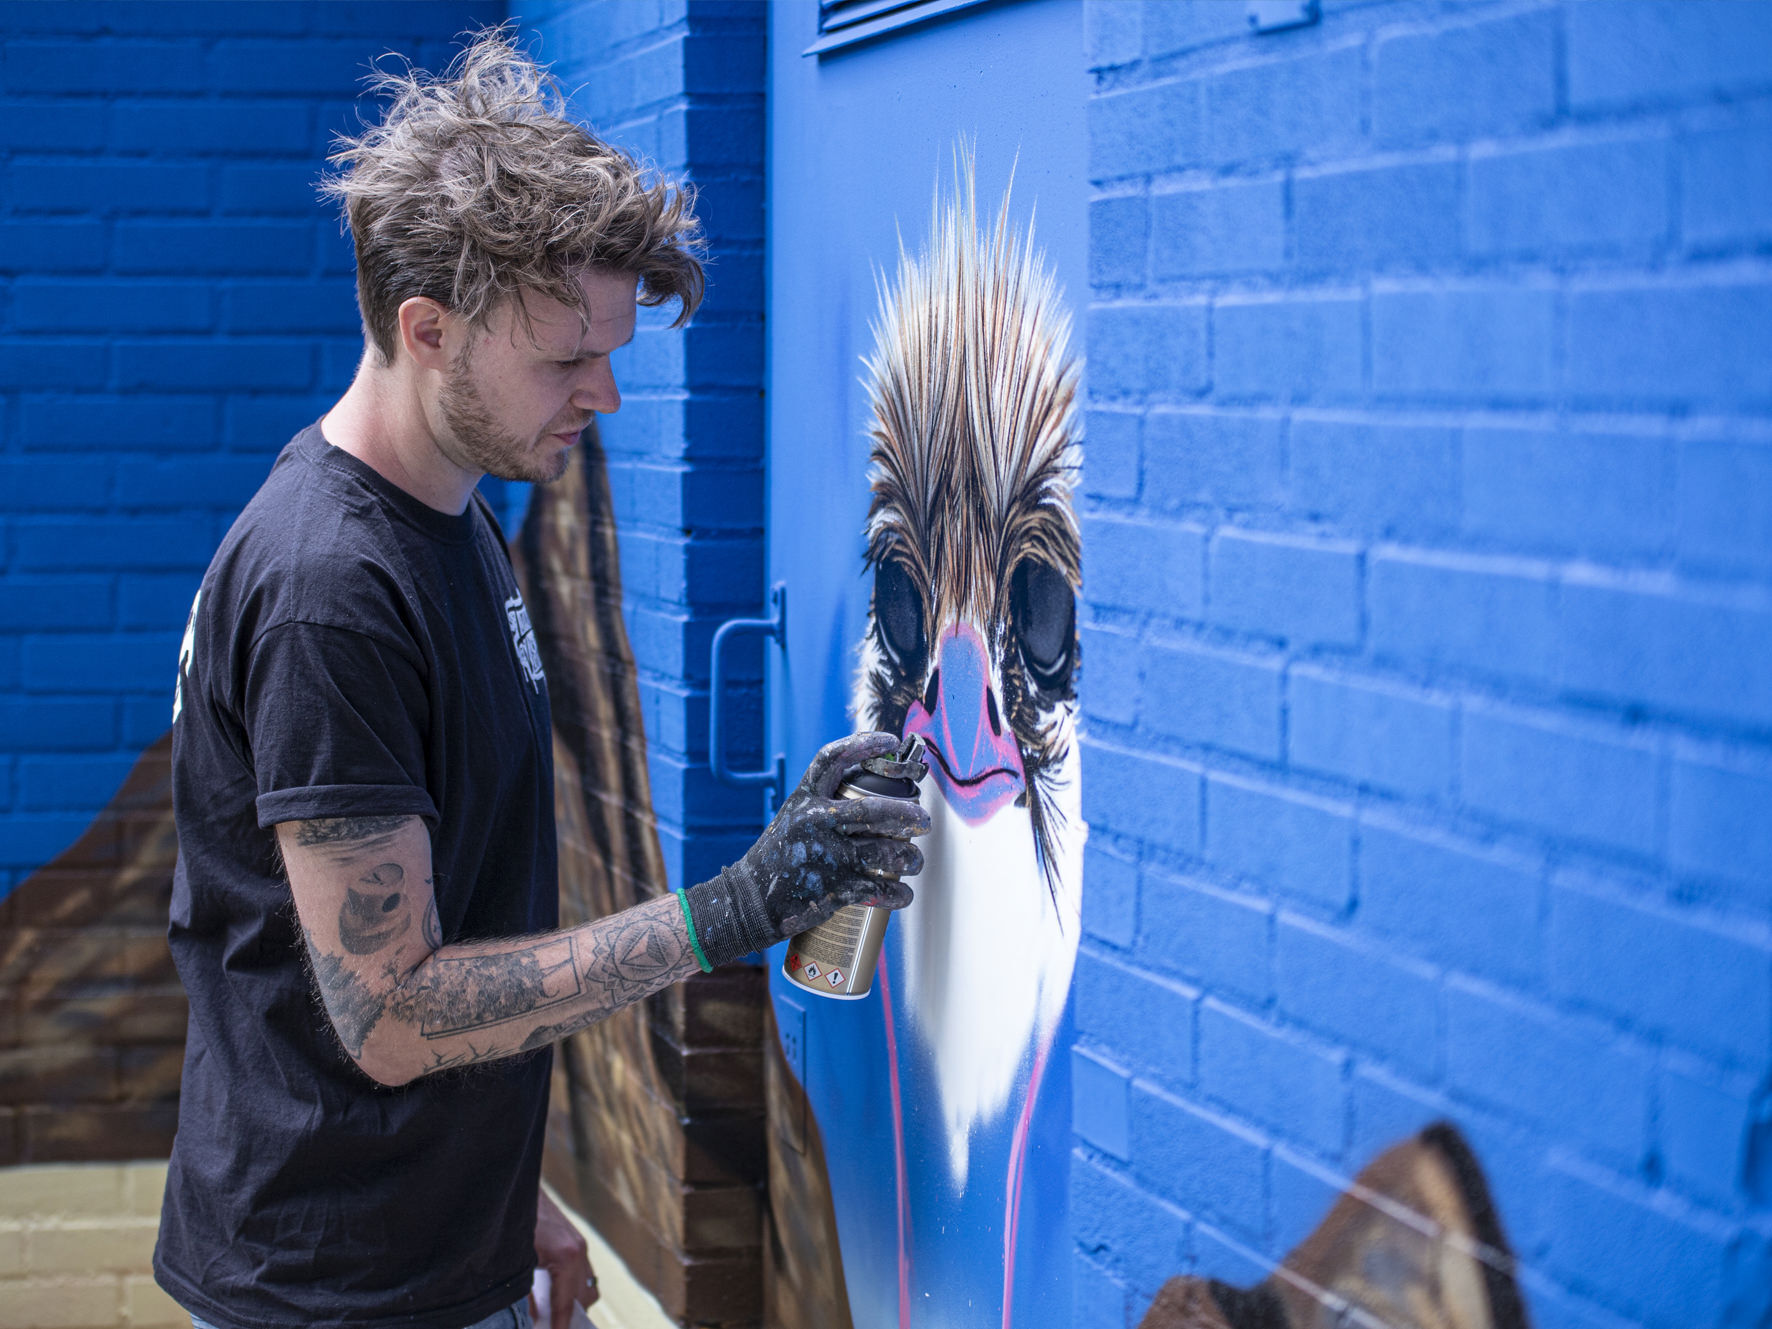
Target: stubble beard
[{"x": 483, "y": 443}]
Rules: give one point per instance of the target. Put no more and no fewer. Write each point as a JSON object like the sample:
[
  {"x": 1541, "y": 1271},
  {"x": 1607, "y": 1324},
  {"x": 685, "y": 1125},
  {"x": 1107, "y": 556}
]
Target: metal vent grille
[{"x": 845, "y": 22}]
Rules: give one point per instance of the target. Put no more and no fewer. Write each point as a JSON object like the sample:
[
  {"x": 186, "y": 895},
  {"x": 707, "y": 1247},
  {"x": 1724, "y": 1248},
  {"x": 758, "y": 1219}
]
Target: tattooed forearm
[
  {"x": 372, "y": 917},
  {"x": 470, "y": 992},
  {"x": 346, "y": 830},
  {"x": 351, "y": 1003},
  {"x": 433, "y": 930}
]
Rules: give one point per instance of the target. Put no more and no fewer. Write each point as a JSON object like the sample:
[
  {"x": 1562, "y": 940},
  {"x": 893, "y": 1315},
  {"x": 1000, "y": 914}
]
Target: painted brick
[
  {"x": 1097, "y": 1297},
  {"x": 1161, "y": 1042},
  {"x": 1641, "y": 1255},
  {"x": 1327, "y": 981},
  {"x": 38, "y": 604},
  {"x": 1580, "y": 492},
  {"x": 110, "y": 306},
  {"x": 1707, "y": 1125},
  {"x": 1113, "y": 454},
  {"x": 1118, "y": 233},
  {"x": 1569, "y": 198},
  {"x": 247, "y": 128},
  {"x": 1272, "y": 1077},
  {"x": 1219, "y": 458},
  {"x": 108, "y": 543},
  {"x": 1114, "y": 665},
  {"x": 1101, "y": 1104},
  {"x": 1666, "y": 649},
  {"x": 1724, "y": 502},
  {"x": 1664, "y": 973},
  {"x": 1144, "y": 130},
  {"x": 51, "y": 724},
  {"x": 1110, "y": 905},
  {"x": 52, "y": 246},
  {"x": 106, "y": 665},
  {"x": 1216, "y": 938},
  {"x": 1492, "y": 616},
  {"x": 1285, "y": 348},
  {"x": 220, "y": 366},
  {"x": 1203, "y": 1162},
  {"x": 107, "y": 186},
  {"x": 37, "y": 124},
  {"x": 1176, "y": 29},
  {"x": 1726, "y": 184},
  {"x": 149, "y": 422},
  {"x": 1157, "y": 567},
  {"x": 27, "y": 841},
  {"x": 1670, "y": 49},
  {"x": 1283, "y": 109},
  {"x": 1167, "y": 811},
  {"x": 1139, "y": 1236},
  {"x": 1671, "y": 343},
  {"x": 284, "y": 68},
  {"x": 1718, "y": 823},
  {"x": 1292, "y": 844},
  {"x": 214, "y": 482},
  {"x": 1573, "y": 1078},
  {"x": 1298, "y": 589},
  {"x": 55, "y": 783},
  {"x": 1452, "y": 903},
  {"x": 1464, "y": 343},
  {"x": 1374, "y": 218},
  {"x": 1113, "y": 32},
  {"x": 1148, "y": 349},
  {"x": 102, "y": 67},
  {"x": 1457, "y": 83},
  {"x": 211, "y": 247},
  {"x": 1213, "y": 698},
  {"x": 156, "y": 600},
  {"x": 1375, "y": 477},
  {"x": 1375, "y": 735},
  {"x": 36, "y": 483},
  {"x": 292, "y": 306},
  {"x": 1223, "y": 227},
  {"x": 1569, "y": 780},
  {"x": 42, "y": 363}
]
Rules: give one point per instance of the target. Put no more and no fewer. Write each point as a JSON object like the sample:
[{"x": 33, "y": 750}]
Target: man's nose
[{"x": 598, "y": 391}]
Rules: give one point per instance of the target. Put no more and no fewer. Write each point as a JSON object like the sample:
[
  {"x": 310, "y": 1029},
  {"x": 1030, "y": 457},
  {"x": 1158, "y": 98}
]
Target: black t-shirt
[{"x": 352, "y": 652}]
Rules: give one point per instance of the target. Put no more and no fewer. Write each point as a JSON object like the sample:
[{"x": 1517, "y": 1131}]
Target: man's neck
[{"x": 381, "y": 421}]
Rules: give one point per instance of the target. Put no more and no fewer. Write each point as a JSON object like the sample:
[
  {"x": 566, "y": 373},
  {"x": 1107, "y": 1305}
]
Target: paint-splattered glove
[{"x": 820, "y": 853}]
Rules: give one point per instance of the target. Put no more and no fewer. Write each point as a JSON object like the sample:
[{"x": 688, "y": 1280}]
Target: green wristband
[{"x": 700, "y": 956}]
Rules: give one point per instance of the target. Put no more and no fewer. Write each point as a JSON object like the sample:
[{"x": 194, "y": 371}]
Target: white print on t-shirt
[
  {"x": 185, "y": 650},
  {"x": 523, "y": 638}
]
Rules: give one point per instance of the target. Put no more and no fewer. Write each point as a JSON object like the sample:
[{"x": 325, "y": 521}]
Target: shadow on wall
[
  {"x": 1414, "y": 1242},
  {"x": 656, "y": 1128}
]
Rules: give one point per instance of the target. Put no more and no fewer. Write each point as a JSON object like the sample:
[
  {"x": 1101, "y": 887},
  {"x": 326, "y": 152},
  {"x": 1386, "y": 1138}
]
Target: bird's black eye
[
  {"x": 1044, "y": 613},
  {"x": 898, "y": 610}
]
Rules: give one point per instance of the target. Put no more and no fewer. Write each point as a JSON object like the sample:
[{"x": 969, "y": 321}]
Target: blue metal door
[{"x": 938, "y": 1106}]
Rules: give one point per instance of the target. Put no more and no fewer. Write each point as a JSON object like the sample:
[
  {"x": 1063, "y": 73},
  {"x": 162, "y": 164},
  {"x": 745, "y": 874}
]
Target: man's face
[{"x": 519, "y": 395}]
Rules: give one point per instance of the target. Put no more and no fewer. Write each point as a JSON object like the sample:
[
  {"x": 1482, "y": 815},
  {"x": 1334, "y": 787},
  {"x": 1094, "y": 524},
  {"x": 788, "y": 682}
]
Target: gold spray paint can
[{"x": 837, "y": 958}]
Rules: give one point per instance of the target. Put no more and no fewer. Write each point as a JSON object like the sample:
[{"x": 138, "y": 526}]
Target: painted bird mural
[{"x": 971, "y": 643}]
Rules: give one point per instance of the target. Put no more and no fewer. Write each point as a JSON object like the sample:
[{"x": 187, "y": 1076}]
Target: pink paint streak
[
  {"x": 1017, "y": 1162},
  {"x": 904, "y": 1215}
]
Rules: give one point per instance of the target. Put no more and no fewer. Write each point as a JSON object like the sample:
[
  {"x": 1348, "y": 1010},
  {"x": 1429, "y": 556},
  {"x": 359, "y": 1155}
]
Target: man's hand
[
  {"x": 821, "y": 852},
  {"x": 561, "y": 1250}
]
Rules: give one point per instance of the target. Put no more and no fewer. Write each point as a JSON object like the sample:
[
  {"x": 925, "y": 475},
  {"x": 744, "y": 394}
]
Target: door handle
[{"x": 776, "y": 625}]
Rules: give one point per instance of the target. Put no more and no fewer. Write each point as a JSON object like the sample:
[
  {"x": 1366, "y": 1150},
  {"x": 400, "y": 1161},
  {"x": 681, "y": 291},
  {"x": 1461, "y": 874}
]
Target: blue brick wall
[
  {"x": 1428, "y": 550},
  {"x": 680, "y": 83},
  {"x": 175, "y": 302}
]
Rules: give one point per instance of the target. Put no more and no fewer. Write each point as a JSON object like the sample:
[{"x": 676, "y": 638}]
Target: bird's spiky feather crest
[{"x": 973, "y": 394}]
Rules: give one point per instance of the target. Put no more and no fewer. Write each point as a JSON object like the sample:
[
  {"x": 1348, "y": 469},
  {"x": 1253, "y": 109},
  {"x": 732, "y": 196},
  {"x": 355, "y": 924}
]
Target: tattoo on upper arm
[
  {"x": 476, "y": 991},
  {"x": 432, "y": 928},
  {"x": 372, "y": 918},
  {"x": 344, "y": 830}
]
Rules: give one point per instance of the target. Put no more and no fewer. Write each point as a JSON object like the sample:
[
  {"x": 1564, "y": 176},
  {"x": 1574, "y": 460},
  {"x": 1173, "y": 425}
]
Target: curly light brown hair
[{"x": 476, "y": 189}]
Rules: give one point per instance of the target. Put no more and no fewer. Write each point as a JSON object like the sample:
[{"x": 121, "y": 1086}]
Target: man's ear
[{"x": 424, "y": 330}]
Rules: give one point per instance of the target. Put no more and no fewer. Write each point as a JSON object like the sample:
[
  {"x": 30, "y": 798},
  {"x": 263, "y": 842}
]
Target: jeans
[{"x": 511, "y": 1317}]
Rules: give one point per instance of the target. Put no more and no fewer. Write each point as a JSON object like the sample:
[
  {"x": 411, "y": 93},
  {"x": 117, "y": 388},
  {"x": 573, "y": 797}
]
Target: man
[{"x": 365, "y": 904}]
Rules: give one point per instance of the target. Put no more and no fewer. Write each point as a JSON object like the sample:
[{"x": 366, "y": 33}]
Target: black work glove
[{"x": 821, "y": 852}]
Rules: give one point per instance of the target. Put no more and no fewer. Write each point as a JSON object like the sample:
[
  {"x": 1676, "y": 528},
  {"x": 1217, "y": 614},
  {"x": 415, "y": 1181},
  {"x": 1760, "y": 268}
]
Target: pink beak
[{"x": 977, "y": 763}]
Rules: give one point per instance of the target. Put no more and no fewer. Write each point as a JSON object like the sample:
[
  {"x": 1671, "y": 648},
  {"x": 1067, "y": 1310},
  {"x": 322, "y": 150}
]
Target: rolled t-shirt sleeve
[{"x": 336, "y": 720}]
